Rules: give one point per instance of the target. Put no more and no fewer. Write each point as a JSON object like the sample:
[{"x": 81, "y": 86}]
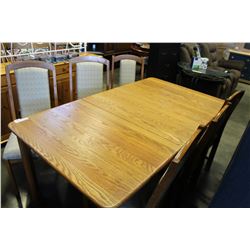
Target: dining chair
[
  {"x": 195, "y": 164},
  {"x": 185, "y": 184},
  {"x": 33, "y": 91},
  {"x": 232, "y": 101},
  {"x": 127, "y": 69},
  {"x": 89, "y": 75},
  {"x": 175, "y": 167}
]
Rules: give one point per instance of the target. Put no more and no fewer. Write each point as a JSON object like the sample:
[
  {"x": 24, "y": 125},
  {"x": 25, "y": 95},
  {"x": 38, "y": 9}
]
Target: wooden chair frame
[
  {"x": 232, "y": 101},
  {"x": 187, "y": 160},
  {"x": 29, "y": 64},
  {"x": 20, "y": 65},
  {"x": 87, "y": 59},
  {"x": 175, "y": 167},
  {"x": 196, "y": 163},
  {"x": 118, "y": 58}
]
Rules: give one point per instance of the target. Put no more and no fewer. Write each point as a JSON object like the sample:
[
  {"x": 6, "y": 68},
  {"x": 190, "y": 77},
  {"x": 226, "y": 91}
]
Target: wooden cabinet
[
  {"x": 162, "y": 61},
  {"x": 62, "y": 77},
  {"x": 242, "y": 56},
  {"x": 111, "y": 48}
]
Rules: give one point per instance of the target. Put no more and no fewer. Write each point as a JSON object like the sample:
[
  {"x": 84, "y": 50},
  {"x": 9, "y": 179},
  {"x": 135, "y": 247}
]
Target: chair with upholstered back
[
  {"x": 33, "y": 92},
  {"x": 175, "y": 167},
  {"x": 127, "y": 70},
  {"x": 89, "y": 75}
]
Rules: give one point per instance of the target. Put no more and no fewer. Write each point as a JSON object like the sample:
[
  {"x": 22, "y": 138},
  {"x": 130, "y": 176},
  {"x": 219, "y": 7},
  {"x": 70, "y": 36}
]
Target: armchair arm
[{"x": 231, "y": 64}]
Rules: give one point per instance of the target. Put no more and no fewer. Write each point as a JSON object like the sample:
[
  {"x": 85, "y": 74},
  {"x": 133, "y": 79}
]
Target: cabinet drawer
[{"x": 62, "y": 69}]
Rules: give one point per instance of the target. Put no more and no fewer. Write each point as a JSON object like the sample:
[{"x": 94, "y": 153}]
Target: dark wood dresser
[{"x": 162, "y": 61}]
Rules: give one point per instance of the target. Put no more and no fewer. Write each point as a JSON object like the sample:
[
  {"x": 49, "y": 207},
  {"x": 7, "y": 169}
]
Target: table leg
[{"x": 29, "y": 172}]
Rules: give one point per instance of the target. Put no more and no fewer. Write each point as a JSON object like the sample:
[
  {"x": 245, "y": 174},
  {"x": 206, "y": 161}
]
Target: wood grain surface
[{"x": 108, "y": 145}]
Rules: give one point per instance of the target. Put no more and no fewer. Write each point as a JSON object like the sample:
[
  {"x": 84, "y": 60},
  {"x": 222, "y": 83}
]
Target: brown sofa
[
  {"x": 228, "y": 83},
  {"x": 234, "y": 68}
]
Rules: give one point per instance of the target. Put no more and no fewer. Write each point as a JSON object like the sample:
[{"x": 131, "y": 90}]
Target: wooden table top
[{"x": 109, "y": 144}]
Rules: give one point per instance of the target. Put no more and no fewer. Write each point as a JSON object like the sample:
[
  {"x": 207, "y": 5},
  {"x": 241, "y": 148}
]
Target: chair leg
[
  {"x": 14, "y": 184},
  {"x": 212, "y": 154}
]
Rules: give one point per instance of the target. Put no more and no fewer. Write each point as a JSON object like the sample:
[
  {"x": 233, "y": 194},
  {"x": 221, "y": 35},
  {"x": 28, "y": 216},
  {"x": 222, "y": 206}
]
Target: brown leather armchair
[
  {"x": 203, "y": 82},
  {"x": 234, "y": 68}
]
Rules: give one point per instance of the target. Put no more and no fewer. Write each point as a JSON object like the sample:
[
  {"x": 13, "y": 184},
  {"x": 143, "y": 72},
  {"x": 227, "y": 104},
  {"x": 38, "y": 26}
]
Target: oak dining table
[{"x": 110, "y": 144}]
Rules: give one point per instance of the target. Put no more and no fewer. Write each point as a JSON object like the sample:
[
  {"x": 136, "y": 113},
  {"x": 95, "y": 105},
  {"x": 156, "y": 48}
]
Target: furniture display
[
  {"x": 127, "y": 68},
  {"x": 33, "y": 90},
  {"x": 245, "y": 57},
  {"x": 162, "y": 61},
  {"x": 88, "y": 76},
  {"x": 234, "y": 191},
  {"x": 209, "y": 84},
  {"x": 209, "y": 50},
  {"x": 110, "y": 144},
  {"x": 62, "y": 79}
]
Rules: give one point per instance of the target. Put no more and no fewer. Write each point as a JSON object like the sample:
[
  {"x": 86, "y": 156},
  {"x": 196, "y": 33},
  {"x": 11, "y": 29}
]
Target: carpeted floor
[{"x": 57, "y": 192}]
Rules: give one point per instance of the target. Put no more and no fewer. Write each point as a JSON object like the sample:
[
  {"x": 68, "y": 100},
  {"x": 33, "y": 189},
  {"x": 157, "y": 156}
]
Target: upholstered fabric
[
  {"x": 11, "y": 150},
  {"x": 185, "y": 56},
  {"x": 33, "y": 96},
  {"x": 33, "y": 90},
  {"x": 127, "y": 71},
  {"x": 209, "y": 51},
  {"x": 89, "y": 77}
]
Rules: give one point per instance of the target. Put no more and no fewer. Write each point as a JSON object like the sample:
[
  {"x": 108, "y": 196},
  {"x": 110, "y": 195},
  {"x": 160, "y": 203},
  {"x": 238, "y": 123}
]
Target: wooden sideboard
[
  {"x": 62, "y": 77},
  {"x": 242, "y": 55}
]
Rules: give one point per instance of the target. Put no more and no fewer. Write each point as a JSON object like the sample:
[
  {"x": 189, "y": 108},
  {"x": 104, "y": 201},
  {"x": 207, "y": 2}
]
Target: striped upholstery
[
  {"x": 89, "y": 78},
  {"x": 127, "y": 71},
  {"x": 33, "y": 90}
]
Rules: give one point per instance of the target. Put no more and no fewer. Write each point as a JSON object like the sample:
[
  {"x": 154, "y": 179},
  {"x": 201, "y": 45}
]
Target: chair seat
[{"x": 12, "y": 150}]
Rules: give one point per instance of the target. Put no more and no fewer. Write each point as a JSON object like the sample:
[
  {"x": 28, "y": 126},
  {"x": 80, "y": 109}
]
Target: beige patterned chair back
[
  {"x": 89, "y": 78},
  {"x": 33, "y": 90},
  {"x": 89, "y": 75},
  {"x": 127, "y": 69}
]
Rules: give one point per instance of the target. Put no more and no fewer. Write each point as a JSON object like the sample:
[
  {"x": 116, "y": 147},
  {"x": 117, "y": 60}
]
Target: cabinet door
[
  {"x": 109, "y": 47},
  {"x": 162, "y": 62},
  {"x": 63, "y": 90}
]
